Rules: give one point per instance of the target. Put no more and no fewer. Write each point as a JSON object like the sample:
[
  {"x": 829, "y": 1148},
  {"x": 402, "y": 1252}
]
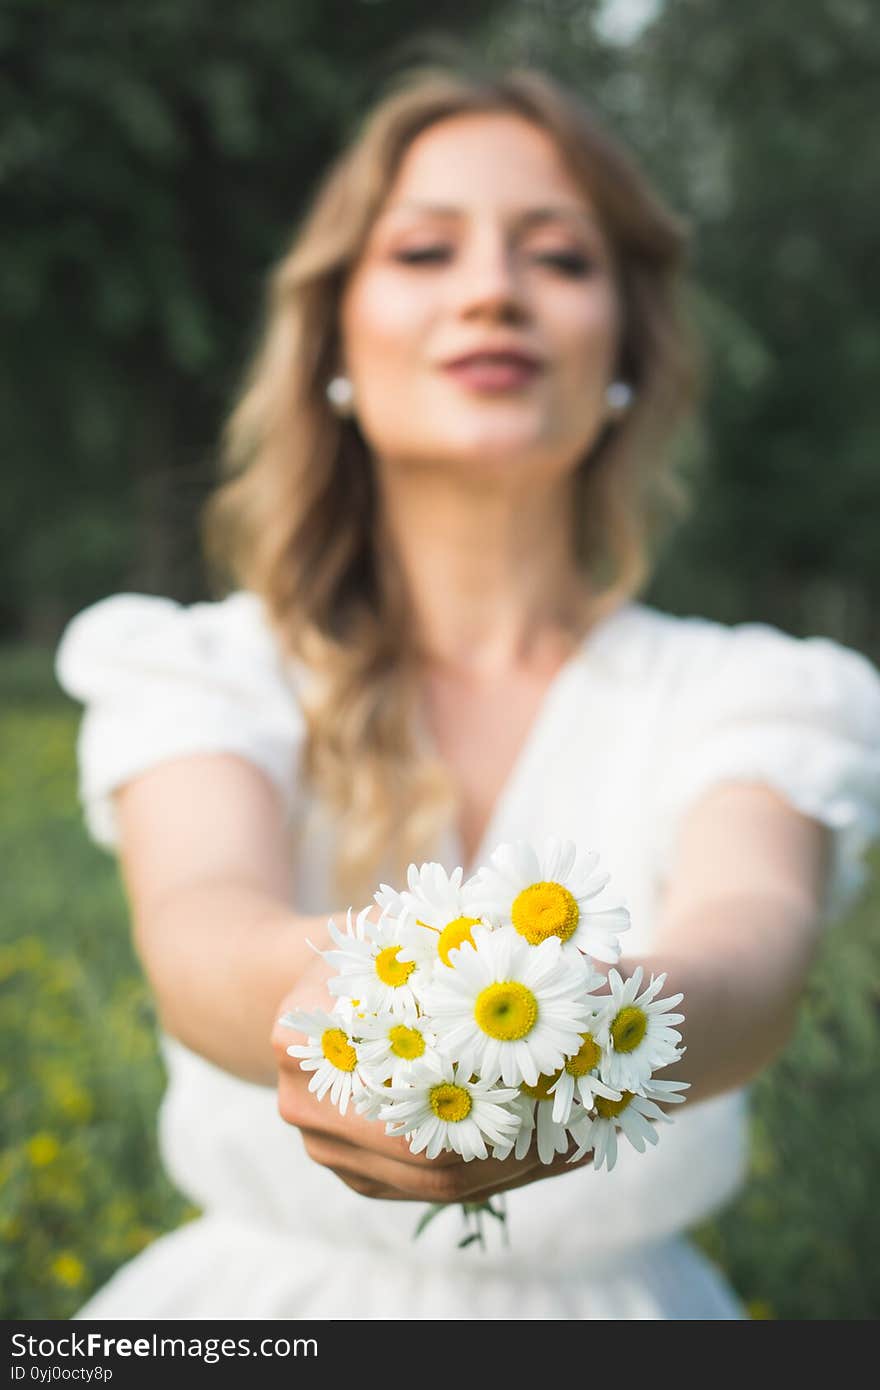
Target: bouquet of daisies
[{"x": 470, "y": 1017}]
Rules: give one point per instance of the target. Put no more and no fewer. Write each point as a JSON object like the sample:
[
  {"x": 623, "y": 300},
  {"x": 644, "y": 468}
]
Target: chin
[{"x": 493, "y": 443}]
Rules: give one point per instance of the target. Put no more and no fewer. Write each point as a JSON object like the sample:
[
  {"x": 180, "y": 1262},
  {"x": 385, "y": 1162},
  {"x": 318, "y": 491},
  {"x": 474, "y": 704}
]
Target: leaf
[
  {"x": 427, "y": 1217},
  {"x": 499, "y": 1215},
  {"x": 469, "y": 1240}
]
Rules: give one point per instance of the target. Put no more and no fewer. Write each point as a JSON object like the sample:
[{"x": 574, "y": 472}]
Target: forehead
[{"x": 469, "y": 160}]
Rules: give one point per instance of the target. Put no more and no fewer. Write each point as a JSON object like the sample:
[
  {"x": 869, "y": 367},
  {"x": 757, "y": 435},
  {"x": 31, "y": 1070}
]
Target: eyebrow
[{"x": 528, "y": 216}]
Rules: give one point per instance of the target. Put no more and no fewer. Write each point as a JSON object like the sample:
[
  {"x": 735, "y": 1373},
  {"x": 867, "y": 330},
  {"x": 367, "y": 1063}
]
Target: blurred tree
[
  {"x": 786, "y": 204},
  {"x": 760, "y": 123}
]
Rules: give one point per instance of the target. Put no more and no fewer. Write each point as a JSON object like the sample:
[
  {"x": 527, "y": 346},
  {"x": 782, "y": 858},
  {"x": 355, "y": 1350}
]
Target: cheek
[
  {"x": 588, "y": 335},
  {"x": 585, "y": 342},
  {"x": 588, "y": 332},
  {"x": 387, "y": 328},
  {"x": 381, "y": 313}
]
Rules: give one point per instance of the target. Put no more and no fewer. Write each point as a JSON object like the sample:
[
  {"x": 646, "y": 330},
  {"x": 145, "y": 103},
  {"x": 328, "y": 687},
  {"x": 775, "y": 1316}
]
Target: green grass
[{"x": 81, "y": 1189}]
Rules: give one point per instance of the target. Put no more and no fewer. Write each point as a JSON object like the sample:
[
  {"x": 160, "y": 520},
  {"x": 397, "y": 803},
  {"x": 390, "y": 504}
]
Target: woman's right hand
[{"x": 359, "y": 1151}]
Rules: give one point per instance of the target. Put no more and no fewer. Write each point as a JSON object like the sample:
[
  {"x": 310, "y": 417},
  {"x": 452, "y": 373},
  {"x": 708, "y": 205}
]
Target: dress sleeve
[
  {"x": 161, "y": 680},
  {"x": 799, "y": 714}
]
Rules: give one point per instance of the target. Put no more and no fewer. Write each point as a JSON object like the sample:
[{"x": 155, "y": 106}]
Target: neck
[{"x": 490, "y": 569}]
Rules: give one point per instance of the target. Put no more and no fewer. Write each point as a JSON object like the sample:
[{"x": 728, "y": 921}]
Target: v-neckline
[{"x": 540, "y": 723}]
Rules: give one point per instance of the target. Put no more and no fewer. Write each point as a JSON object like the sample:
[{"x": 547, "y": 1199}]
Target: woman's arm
[
  {"x": 739, "y": 928},
  {"x": 206, "y": 863}
]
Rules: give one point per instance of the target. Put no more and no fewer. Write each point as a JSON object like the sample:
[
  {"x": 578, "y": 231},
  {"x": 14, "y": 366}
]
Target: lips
[{"x": 494, "y": 371}]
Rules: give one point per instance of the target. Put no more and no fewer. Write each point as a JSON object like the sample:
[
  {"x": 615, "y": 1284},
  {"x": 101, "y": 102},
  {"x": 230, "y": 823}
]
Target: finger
[
  {"x": 471, "y": 1184},
  {"x": 363, "y": 1185},
  {"x": 300, "y": 1107},
  {"x": 370, "y": 1189},
  {"x": 537, "y": 1173},
  {"x": 530, "y": 1170},
  {"x": 428, "y": 1182}
]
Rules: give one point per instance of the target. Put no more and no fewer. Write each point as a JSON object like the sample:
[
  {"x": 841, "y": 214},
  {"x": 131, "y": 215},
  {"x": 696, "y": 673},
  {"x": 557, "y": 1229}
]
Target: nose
[{"x": 488, "y": 281}]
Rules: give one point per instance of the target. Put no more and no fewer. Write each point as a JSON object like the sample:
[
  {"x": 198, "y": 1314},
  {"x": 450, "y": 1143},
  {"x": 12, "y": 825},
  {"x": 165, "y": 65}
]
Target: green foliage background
[{"x": 154, "y": 160}]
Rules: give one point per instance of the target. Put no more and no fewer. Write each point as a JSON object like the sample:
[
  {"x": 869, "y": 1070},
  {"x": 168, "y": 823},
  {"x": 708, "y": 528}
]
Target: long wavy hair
[{"x": 296, "y": 519}]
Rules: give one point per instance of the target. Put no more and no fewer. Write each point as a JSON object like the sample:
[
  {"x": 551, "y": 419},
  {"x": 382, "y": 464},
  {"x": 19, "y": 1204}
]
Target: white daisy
[
  {"x": 445, "y": 1108},
  {"x": 632, "y": 1115},
  {"x": 438, "y": 914},
  {"x": 548, "y": 894},
  {"x": 368, "y": 966},
  {"x": 351, "y": 1013},
  {"x": 329, "y": 1053},
  {"x": 636, "y": 1033},
  {"x": 371, "y": 1099},
  {"x": 579, "y": 1078},
  {"x": 508, "y": 1009},
  {"x": 389, "y": 1044},
  {"x": 390, "y": 900},
  {"x": 535, "y": 1107}
]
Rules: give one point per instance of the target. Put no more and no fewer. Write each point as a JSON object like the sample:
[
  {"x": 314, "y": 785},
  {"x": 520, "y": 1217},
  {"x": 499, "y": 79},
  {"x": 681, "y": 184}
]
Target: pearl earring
[
  {"x": 619, "y": 396},
  {"x": 340, "y": 394}
]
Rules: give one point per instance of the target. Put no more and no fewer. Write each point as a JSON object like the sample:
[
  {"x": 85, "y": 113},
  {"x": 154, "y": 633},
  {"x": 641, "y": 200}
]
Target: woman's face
[{"x": 484, "y": 243}]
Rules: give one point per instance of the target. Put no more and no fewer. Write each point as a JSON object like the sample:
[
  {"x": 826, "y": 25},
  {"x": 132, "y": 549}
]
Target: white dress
[{"x": 649, "y": 711}]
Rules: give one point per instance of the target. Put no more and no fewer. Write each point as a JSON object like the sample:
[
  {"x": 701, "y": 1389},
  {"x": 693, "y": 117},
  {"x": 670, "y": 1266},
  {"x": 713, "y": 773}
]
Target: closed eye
[
  {"x": 569, "y": 262},
  {"x": 422, "y": 253}
]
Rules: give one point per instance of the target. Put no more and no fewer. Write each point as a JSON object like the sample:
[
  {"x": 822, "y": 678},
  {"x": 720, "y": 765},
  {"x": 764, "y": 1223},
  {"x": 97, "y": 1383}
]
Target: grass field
[{"x": 81, "y": 1190}]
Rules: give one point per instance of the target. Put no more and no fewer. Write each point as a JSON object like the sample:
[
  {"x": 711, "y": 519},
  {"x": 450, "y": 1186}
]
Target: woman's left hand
[{"x": 359, "y": 1151}]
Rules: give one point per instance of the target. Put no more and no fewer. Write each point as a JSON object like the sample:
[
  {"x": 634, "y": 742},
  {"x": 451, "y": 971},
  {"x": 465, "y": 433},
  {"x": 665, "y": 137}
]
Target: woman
[{"x": 449, "y": 463}]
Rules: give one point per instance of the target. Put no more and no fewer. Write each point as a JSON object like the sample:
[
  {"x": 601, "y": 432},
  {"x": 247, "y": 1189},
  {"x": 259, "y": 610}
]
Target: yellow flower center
[
  {"x": 338, "y": 1050},
  {"x": 406, "y": 1042},
  {"x": 506, "y": 1010},
  {"x": 68, "y": 1269},
  {"x": 586, "y": 1059},
  {"x": 545, "y": 909},
  {"x": 541, "y": 1089},
  {"x": 392, "y": 971},
  {"x": 450, "y": 1103},
  {"x": 453, "y": 934},
  {"x": 43, "y": 1149},
  {"x": 610, "y": 1109},
  {"x": 628, "y": 1029}
]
